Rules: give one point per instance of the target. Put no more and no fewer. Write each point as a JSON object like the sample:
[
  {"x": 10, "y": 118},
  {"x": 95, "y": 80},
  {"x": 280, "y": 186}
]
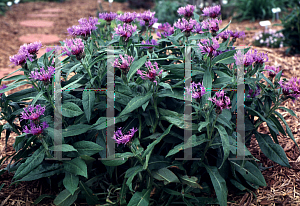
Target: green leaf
[
  {"x": 250, "y": 172},
  {"x": 130, "y": 174},
  {"x": 17, "y": 96},
  {"x": 69, "y": 109},
  {"x": 63, "y": 148},
  {"x": 31, "y": 162},
  {"x": 238, "y": 185},
  {"x": 74, "y": 130},
  {"x": 207, "y": 83},
  {"x": 71, "y": 182},
  {"x": 135, "y": 66},
  {"x": 135, "y": 103},
  {"x": 91, "y": 199},
  {"x": 193, "y": 141},
  {"x": 114, "y": 161},
  {"x": 42, "y": 171},
  {"x": 277, "y": 123},
  {"x": 76, "y": 166},
  {"x": 165, "y": 175},
  {"x": 272, "y": 150},
  {"x": 225, "y": 142},
  {"x": 140, "y": 198},
  {"x": 14, "y": 85},
  {"x": 65, "y": 198},
  {"x": 87, "y": 148},
  {"x": 88, "y": 100},
  {"x": 202, "y": 125},
  {"x": 40, "y": 198},
  {"x": 190, "y": 181},
  {"x": 72, "y": 83},
  {"x": 152, "y": 145},
  {"x": 218, "y": 183},
  {"x": 288, "y": 129},
  {"x": 289, "y": 111}
]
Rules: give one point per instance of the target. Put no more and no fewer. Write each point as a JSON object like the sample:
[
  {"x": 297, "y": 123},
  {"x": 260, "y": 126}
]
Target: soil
[{"x": 283, "y": 184}]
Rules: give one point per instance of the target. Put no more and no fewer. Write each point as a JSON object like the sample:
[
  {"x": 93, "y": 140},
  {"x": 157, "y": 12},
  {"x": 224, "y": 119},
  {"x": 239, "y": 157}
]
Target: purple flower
[
  {"x": 254, "y": 94},
  {"x": 184, "y": 25},
  {"x": 212, "y": 12},
  {"x": 150, "y": 23},
  {"x": 152, "y": 72},
  {"x": 272, "y": 71},
  {"x": 225, "y": 35},
  {"x": 43, "y": 75},
  {"x": 221, "y": 101},
  {"x": 73, "y": 47},
  {"x": 168, "y": 30},
  {"x": 125, "y": 31},
  {"x": 198, "y": 29},
  {"x": 237, "y": 34},
  {"x": 260, "y": 58},
  {"x": 146, "y": 17},
  {"x": 121, "y": 138},
  {"x": 19, "y": 59},
  {"x": 35, "y": 129},
  {"x": 108, "y": 16},
  {"x": 85, "y": 27},
  {"x": 31, "y": 48},
  {"x": 3, "y": 87},
  {"x": 291, "y": 87},
  {"x": 211, "y": 24},
  {"x": 209, "y": 47},
  {"x": 125, "y": 63},
  {"x": 186, "y": 11},
  {"x": 127, "y": 17},
  {"x": 153, "y": 42},
  {"x": 34, "y": 115},
  {"x": 197, "y": 93}
]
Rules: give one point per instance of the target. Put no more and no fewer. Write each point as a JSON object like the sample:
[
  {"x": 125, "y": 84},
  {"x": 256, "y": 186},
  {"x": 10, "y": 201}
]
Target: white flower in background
[
  {"x": 17, "y": 1},
  {"x": 260, "y": 36},
  {"x": 272, "y": 41},
  {"x": 257, "y": 38},
  {"x": 281, "y": 45},
  {"x": 9, "y": 3},
  {"x": 275, "y": 40},
  {"x": 261, "y": 41}
]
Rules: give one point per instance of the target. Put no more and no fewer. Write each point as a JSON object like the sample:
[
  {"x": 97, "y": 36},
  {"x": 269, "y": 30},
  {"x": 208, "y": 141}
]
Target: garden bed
[{"x": 283, "y": 183}]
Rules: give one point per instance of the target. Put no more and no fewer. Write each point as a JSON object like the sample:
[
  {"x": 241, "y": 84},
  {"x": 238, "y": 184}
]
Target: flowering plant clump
[
  {"x": 269, "y": 38},
  {"x": 167, "y": 106}
]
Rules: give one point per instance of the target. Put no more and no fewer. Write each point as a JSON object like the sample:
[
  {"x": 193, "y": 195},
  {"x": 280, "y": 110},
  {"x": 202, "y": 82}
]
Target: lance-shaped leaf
[
  {"x": 190, "y": 181},
  {"x": 71, "y": 182},
  {"x": 135, "y": 66},
  {"x": 76, "y": 166},
  {"x": 165, "y": 175},
  {"x": 88, "y": 100},
  {"x": 225, "y": 142},
  {"x": 140, "y": 198},
  {"x": 69, "y": 109},
  {"x": 65, "y": 198},
  {"x": 87, "y": 148}
]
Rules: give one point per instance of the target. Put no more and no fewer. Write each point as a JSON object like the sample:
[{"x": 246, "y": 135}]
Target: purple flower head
[
  {"x": 43, "y": 75},
  {"x": 125, "y": 31},
  {"x": 197, "y": 92},
  {"x": 225, "y": 35},
  {"x": 146, "y": 16},
  {"x": 291, "y": 87},
  {"x": 211, "y": 24},
  {"x": 212, "y": 12},
  {"x": 152, "y": 72},
  {"x": 123, "y": 63},
  {"x": 237, "y": 34},
  {"x": 272, "y": 71},
  {"x": 150, "y": 23},
  {"x": 153, "y": 42},
  {"x": 260, "y": 58},
  {"x": 168, "y": 30},
  {"x": 248, "y": 59},
  {"x": 187, "y": 11},
  {"x": 184, "y": 25},
  {"x": 121, "y": 138},
  {"x": 31, "y": 48},
  {"x": 108, "y": 16},
  {"x": 208, "y": 47},
  {"x": 35, "y": 129},
  {"x": 220, "y": 100},
  {"x": 33, "y": 115},
  {"x": 3, "y": 87},
  {"x": 20, "y": 58},
  {"x": 198, "y": 29},
  {"x": 73, "y": 47},
  {"x": 85, "y": 27},
  {"x": 253, "y": 94},
  {"x": 127, "y": 17}
]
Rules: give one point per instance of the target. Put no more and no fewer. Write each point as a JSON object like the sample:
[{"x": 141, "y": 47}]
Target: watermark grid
[{"x": 110, "y": 118}]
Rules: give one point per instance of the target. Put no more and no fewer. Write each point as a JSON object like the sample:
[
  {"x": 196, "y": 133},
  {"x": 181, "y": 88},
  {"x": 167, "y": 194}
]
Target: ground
[{"x": 283, "y": 184}]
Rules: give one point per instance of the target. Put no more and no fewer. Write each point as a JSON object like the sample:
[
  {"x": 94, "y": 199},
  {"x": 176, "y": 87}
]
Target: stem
[
  {"x": 46, "y": 147},
  {"x": 140, "y": 126},
  {"x": 88, "y": 71}
]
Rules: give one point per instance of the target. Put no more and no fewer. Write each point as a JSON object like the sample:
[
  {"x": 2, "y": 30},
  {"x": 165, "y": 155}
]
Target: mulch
[{"x": 283, "y": 184}]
